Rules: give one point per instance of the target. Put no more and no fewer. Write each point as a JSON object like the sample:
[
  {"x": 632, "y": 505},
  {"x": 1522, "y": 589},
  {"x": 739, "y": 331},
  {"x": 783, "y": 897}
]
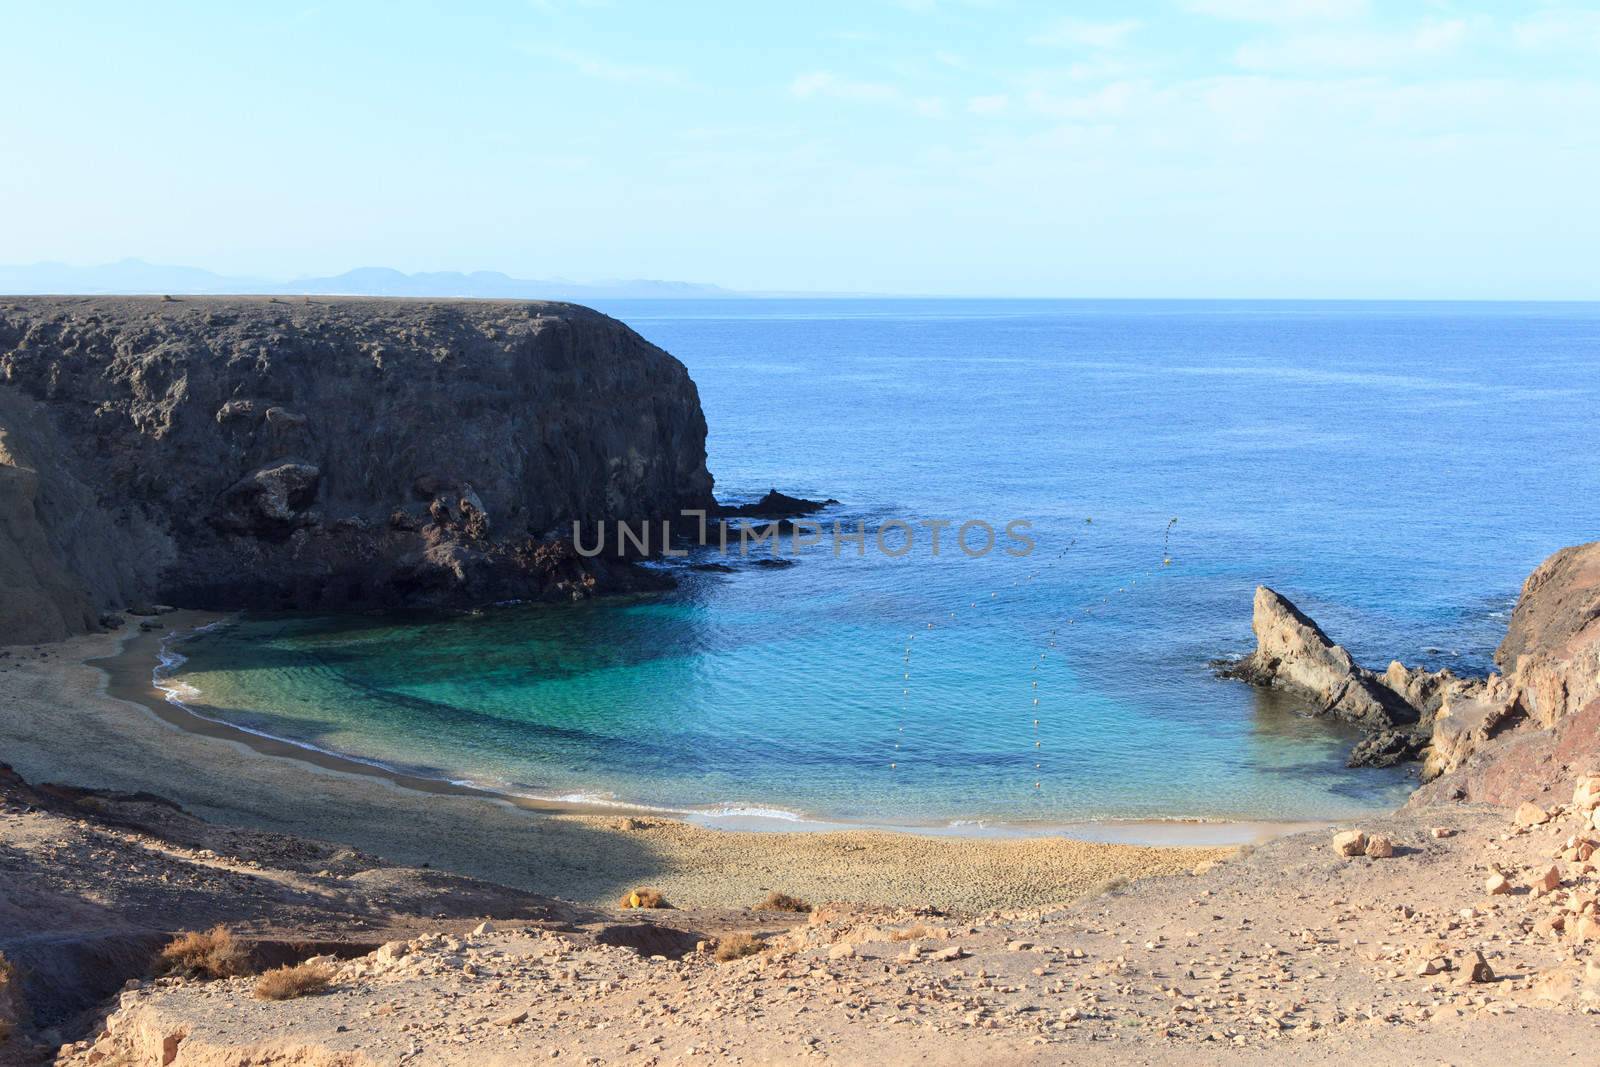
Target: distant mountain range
[{"x": 135, "y": 276}]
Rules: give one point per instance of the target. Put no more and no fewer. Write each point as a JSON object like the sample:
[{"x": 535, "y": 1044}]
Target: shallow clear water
[{"x": 1397, "y": 469}]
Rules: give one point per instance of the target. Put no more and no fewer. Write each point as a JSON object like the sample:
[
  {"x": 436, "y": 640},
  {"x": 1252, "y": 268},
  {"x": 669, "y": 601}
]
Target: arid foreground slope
[{"x": 1293, "y": 952}]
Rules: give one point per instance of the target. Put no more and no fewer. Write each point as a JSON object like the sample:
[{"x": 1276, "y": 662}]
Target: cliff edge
[
  {"x": 327, "y": 453},
  {"x": 1526, "y": 732}
]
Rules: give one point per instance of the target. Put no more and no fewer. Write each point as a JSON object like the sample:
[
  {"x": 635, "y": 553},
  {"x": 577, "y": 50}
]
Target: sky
[{"x": 1174, "y": 148}]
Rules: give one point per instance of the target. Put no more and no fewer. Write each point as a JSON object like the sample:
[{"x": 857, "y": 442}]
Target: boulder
[
  {"x": 1380, "y": 846},
  {"x": 1464, "y": 723},
  {"x": 774, "y": 505},
  {"x": 392, "y": 952},
  {"x": 1473, "y": 970},
  {"x": 1586, "y": 793},
  {"x": 1530, "y": 814},
  {"x": 1350, "y": 842},
  {"x": 270, "y": 500}
]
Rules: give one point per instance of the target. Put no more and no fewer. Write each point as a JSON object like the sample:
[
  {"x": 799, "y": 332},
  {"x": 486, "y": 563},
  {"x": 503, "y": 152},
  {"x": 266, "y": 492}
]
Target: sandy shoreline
[{"x": 66, "y": 716}]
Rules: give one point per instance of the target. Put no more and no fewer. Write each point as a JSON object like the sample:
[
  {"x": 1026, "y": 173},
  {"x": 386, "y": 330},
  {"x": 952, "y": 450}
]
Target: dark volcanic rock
[
  {"x": 1387, "y": 748},
  {"x": 239, "y": 452},
  {"x": 774, "y": 505}
]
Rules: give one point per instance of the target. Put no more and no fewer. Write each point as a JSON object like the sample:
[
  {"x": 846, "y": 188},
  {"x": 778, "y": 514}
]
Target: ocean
[{"x": 1394, "y": 468}]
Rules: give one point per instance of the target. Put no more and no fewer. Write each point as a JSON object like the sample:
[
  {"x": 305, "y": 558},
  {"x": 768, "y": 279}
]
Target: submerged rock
[{"x": 774, "y": 505}]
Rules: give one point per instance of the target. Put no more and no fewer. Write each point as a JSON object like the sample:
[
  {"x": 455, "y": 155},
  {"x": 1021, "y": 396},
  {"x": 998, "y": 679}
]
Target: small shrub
[
  {"x": 644, "y": 898},
  {"x": 776, "y": 901},
  {"x": 212, "y": 954},
  {"x": 1111, "y": 886},
  {"x": 11, "y": 1007},
  {"x": 737, "y": 946},
  {"x": 286, "y": 983}
]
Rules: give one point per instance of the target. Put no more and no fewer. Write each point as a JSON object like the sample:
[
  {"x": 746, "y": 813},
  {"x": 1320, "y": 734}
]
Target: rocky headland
[
  {"x": 324, "y": 453},
  {"x": 1524, "y": 727}
]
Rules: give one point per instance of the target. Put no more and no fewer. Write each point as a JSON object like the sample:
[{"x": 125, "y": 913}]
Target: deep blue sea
[{"x": 1396, "y": 469}]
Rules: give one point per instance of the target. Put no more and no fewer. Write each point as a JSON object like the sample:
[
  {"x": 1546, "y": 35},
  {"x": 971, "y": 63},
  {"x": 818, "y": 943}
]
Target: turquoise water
[{"x": 1397, "y": 469}]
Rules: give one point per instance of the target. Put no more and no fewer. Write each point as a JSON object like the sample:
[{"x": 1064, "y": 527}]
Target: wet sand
[{"x": 84, "y": 712}]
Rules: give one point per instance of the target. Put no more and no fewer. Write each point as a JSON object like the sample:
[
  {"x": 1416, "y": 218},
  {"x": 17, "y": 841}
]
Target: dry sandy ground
[{"x": 1289, "y": 954}]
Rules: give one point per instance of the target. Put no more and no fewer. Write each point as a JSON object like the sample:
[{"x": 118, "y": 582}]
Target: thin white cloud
[
  {"x": 1352, "y": 50},
  {"x": 1277, "y": 11},
  {"x": 829, "y": 85},
  {"x": 1106, "y": 104},
  {"x": 554, "y": 7},
  {"x": 995, "y": 104},
  {"x": 1073, "y": 32},
  {"x": 1561, "y": 29},
  {"x": 924, "y": 7},
  {"x": 603, "y": 69}
]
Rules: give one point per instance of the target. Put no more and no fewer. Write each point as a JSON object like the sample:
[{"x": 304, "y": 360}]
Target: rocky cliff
[
  {"x": 1395, "y": 708},
  {"x": 323, "y": 453},
  {"x": 1525, "y": 731},
  {"x": 1533, "y": 727}
]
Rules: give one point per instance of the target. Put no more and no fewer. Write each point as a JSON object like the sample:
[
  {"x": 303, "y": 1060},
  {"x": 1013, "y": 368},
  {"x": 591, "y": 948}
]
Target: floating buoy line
[{"x": 1052, "y": 637}]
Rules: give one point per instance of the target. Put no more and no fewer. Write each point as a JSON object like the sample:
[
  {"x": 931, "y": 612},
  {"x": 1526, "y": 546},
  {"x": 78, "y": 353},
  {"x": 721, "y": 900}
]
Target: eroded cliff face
[
  {"x": 1533, "y": 728},
  {"x": 238, "y": 452},
  {"x": 1525, "y": 732}
]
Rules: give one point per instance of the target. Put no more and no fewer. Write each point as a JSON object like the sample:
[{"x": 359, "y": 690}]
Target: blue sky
[{"x": 1182, "y": 148}]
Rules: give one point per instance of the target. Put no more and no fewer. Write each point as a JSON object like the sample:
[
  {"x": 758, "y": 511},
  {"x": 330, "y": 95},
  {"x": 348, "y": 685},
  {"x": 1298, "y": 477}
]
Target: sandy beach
[{"x": 84, "y": 712}]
